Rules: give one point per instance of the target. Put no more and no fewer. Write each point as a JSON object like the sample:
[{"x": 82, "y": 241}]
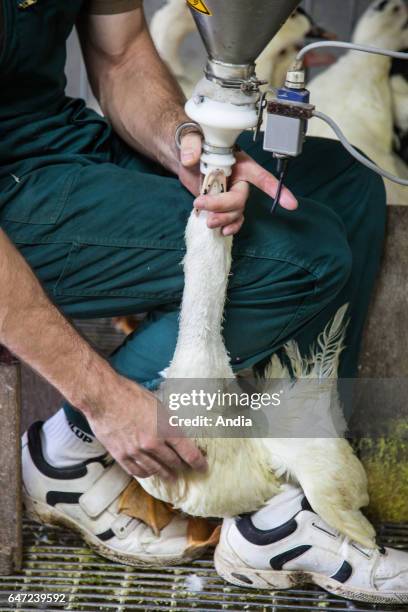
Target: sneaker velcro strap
[{"x": 104, "y": 491}]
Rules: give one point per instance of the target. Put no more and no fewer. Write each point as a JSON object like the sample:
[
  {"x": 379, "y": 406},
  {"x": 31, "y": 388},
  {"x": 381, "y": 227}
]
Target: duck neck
[
  {"x": 207, "y": 266},
  {"x": 200, "y": 350},
  {"x": 369, "y": 64}
]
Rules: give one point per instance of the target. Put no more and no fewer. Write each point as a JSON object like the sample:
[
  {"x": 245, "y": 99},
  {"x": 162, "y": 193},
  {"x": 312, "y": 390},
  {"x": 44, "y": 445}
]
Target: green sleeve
[{"x": 111, "y": 7}]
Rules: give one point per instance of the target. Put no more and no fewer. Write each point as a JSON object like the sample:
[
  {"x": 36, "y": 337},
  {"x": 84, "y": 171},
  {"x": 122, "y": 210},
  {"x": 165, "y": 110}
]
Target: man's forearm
[
  {"x": 33, "y": 328},
  {"x": 137, "y": 93}
]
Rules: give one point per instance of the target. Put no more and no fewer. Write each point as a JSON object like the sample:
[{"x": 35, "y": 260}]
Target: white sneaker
[
  {"x": 85, "y": 498},
  {"x": 286, "y": 545}
]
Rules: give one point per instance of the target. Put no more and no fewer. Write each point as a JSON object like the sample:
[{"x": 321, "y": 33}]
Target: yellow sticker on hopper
[{"x": 198, "y": 5}]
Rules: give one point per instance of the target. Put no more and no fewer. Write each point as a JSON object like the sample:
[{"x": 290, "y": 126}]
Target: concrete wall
[{"x": 339, "y": 16}]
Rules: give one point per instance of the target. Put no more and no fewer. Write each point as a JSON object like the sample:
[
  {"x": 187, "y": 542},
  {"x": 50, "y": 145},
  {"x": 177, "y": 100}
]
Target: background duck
[
  {"x": 356, "y": 91},
  {"x": 399, "y": 89}
]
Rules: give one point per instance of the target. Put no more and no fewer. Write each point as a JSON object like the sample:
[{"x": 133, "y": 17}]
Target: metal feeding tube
[
  {"x": 234, "y": 33},
  {"x": 222, "y": 120},
  {"x": 290, "y": 110},
  {"x": 286, "y": 125},
  {"x": 224, "y": 103}
]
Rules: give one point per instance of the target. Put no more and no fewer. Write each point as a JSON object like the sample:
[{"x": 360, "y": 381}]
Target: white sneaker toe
[{"x": 391, "y": 574}]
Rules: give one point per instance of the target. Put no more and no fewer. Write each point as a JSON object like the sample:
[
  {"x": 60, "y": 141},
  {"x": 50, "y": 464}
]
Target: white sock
[{"x": 64, "y": 444}]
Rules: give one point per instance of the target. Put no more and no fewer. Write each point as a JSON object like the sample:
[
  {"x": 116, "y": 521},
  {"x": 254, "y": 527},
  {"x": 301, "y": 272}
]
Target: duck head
[
  {"x": 384, "y": 24},
  {"x": 303, "y": 27}
]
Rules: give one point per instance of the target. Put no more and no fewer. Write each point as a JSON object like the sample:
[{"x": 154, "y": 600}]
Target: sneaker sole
[
  {"x": 48, "y": 515},
  {"x": 284, "y": 580}
]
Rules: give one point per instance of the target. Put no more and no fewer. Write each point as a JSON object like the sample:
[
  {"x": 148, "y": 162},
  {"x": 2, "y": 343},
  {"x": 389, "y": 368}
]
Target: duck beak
[
  {"x": 319, "y": 33},
  {"x": 316, "y": 59}
]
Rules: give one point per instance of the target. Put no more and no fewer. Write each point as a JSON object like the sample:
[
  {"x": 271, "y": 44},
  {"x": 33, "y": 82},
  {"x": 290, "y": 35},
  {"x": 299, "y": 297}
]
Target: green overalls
[{"x": 103, "y": 227}]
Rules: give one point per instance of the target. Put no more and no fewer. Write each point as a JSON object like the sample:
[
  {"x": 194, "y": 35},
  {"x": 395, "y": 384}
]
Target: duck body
[
  {"x": 238, "y": 479},
  {"x": 399, "y": 88},
  {"x": 169, "y": 27},
  {"x": 244, "y": 473}
]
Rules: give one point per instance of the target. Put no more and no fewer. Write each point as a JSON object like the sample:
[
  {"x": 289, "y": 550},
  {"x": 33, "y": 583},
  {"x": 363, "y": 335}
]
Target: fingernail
[
  {"x": 289, "y": 200},
  {"x": 199, "y": 202},
  {"x": 187, "y": 155}
]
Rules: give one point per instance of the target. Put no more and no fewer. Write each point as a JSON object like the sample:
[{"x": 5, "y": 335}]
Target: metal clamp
[
  {"x": 209, "y": 149},
  {"x": 247, "y": 86},
  {"x": 260, "y": 109},
  {"x": 187, "y": 127}
]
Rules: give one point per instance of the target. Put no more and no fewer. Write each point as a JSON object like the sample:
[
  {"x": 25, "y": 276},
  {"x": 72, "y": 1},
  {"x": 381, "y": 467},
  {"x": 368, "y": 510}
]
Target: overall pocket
[
  {"x": 38, "y": 196},
  {"x": 117, "y": 271}
]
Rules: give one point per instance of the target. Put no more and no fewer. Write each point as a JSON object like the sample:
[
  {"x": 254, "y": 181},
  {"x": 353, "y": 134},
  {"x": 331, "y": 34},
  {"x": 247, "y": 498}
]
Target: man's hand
[
  {"x": 144, "y": 104},
  {"x": 227, "y": 209},
  {"x": 123, "y": 415},
  {"x": 126, "y": 424}
]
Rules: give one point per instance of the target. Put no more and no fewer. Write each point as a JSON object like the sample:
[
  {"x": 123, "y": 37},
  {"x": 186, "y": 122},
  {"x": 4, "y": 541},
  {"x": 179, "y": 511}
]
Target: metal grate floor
[{"x": 55, "y": 561}]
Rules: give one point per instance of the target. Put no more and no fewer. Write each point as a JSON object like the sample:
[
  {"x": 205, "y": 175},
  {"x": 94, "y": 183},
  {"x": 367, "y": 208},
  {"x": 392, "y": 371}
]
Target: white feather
[
  {"x": 330, "y": 345},
  {"x": 399, "y": 89},
  {"x": 194, "y": 583}
]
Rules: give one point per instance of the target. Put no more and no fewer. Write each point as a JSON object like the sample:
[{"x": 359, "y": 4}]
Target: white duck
[
  {"x": 356, "y": 91},
  {"x": 169, "y": 26},
  {"x": 399, "y": 89},
  {"x": 244, "y": 473},
  {"x": 172, "y": 23},
  {"x": 275, "y": 61}
]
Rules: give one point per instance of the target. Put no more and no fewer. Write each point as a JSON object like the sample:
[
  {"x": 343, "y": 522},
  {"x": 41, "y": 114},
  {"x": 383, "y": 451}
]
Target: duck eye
[{"x": 381, "y": 6}]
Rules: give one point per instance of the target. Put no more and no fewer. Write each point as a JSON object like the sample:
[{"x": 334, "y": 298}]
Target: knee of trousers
[
  {"x": 329, "y": 255},
  {"x": 371, "y": 206},
  {"x": 321, "y": 268},
  {"x": 334, "y": 273}
]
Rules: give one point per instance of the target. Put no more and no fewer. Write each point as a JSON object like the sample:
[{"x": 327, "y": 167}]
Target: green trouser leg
[
  {"x": 358, "y": 199},
  {"x": 118, "y": 243},
  {"x": 357, "y": 196}
]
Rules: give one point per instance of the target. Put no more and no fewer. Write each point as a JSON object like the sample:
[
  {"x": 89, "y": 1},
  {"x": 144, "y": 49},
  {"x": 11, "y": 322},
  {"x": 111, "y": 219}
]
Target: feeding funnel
[{"x": 237, "y": 31}]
